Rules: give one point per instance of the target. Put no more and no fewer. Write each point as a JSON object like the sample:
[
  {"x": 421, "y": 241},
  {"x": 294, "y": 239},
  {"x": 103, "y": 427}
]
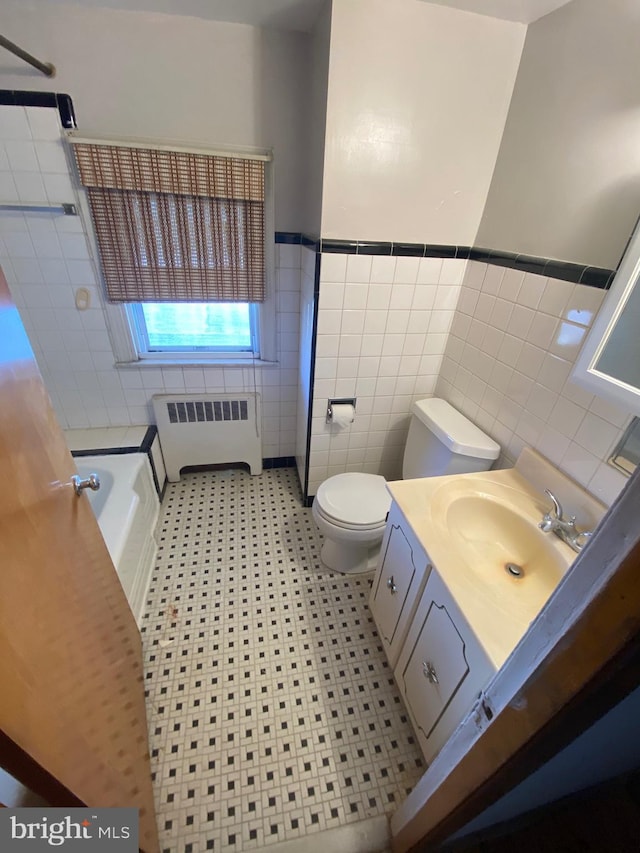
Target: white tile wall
[
  {"x": 330, "y": 346},
  {"x": 47, "y": 257},
  {"x": 382, "y": 329},
  {"x": 507, "y": 364}
]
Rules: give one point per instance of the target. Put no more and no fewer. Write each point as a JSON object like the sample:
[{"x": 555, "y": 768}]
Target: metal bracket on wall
[{"x": 66, "y": 209}]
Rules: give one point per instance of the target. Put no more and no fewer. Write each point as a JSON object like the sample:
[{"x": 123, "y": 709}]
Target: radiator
[{"x": 203, "y": 429}]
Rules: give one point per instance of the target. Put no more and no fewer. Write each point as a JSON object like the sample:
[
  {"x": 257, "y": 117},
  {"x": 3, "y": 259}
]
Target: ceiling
[
  {"x": 302, "y": 14},
  {"x": 279, "y": 14},
  {"x": 525, "y": 11}
]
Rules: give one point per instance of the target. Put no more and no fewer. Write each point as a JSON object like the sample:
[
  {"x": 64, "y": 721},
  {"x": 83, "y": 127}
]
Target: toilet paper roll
[{"x": 343, "y": 414}]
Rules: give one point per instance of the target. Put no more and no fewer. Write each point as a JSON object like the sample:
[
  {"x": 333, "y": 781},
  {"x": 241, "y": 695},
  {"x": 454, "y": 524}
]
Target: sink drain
[{"x": 514, "y": 570}]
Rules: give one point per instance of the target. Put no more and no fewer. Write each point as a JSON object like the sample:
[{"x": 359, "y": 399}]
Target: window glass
[{"x": 197, "y": 326}]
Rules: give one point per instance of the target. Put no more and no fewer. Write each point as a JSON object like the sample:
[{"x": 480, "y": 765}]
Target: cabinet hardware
[
  {"x": 391, "y": 586},
  {"x": 429, "y": 672}
]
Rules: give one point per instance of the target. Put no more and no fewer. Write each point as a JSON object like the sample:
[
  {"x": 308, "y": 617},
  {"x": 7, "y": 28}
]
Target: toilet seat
[{"x": 354, "y": 501}]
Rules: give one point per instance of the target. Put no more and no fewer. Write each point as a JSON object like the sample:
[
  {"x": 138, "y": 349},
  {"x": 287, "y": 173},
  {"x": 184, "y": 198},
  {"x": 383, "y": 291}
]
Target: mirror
[{"x": 609, "y": 363}]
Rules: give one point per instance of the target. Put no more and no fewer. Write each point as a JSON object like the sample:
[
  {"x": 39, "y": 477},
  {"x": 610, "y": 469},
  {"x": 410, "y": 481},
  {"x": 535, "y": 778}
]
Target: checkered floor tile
[{"x": 272, "y": 710}]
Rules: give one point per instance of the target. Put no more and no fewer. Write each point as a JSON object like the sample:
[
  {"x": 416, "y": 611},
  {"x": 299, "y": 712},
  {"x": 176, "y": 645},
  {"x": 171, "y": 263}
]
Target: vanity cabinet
[
  {"x": 441, "y": 668},
  {"x": 402, "y": 571}
]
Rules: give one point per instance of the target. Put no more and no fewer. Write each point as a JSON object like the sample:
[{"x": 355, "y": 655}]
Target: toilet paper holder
[{"x": 338, "y": 401}]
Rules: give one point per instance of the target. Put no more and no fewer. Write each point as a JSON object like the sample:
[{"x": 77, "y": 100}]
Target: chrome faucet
[{"x": 553, "y": 521}]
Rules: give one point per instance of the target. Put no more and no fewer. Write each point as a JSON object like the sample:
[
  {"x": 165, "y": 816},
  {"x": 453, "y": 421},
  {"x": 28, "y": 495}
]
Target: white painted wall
[
  {"x": 172, "y": 77},
  {"x": 567, "y": 181},
  {"x": 316, "y": 123},
  {"x": 418, "y": 98}
]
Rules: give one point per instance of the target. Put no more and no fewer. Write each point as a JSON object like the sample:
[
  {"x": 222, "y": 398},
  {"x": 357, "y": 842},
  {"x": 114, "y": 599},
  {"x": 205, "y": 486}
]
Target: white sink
[
  {"x": 481, "y": 533},
  {"x": 492, "y": 528}
]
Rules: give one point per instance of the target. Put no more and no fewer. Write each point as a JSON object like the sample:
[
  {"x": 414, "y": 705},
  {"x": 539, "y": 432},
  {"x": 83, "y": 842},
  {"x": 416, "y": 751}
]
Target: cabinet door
[
  {"x": 398, "y": 582},
  {"x": 441, "y": 668}
]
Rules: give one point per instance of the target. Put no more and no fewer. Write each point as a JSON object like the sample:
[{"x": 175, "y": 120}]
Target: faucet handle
[{"x": 581, "y": 539}]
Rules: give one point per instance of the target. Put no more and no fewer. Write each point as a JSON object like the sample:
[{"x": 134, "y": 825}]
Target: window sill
[{"x": 147, "y": 363}]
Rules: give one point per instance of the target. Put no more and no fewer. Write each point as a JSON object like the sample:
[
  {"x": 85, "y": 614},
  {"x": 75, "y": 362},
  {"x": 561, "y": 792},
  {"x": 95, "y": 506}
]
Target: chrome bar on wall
[
  {"x": 47, "y": 68},
  {"x": 66, "y": 209}
]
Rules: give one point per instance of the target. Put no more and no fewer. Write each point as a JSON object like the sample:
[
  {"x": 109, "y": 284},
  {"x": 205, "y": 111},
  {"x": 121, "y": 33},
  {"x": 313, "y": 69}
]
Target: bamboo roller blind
[{"x": 174, "y": 226}]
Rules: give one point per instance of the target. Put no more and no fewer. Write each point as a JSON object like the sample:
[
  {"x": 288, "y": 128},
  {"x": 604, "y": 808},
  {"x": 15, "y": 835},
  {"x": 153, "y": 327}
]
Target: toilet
[{"x": 351, "y": 509}]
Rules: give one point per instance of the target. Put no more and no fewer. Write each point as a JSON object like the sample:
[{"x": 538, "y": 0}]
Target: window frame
[
  {"x": 138, "y": 327},
  {"x": 120, "y": 326}
]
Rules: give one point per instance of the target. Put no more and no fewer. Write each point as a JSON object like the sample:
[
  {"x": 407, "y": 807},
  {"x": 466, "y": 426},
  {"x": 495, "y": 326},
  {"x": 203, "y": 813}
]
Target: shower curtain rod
[{"x": 47, "y": 68}]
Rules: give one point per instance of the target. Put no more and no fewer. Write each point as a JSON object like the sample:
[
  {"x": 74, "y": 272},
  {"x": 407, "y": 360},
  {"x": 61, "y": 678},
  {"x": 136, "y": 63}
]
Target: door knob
[{"x": 91, "y": 482}]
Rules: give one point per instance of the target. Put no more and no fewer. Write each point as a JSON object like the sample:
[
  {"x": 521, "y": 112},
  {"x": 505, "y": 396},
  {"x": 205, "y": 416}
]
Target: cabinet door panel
[
  {"x": 393, "y": 582},
  {"x": 399, "y": 580},
  {"x": 435, "y": 669},
  {"x": 440, "y": 645}
]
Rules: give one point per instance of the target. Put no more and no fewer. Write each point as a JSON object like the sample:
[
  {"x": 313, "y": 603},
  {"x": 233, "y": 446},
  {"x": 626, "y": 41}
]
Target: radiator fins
[{"x": 195, "y": 411}]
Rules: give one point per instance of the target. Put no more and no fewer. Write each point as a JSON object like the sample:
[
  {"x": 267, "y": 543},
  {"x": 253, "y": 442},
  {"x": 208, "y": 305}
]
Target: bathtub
[{"x": 126, "y": 506}]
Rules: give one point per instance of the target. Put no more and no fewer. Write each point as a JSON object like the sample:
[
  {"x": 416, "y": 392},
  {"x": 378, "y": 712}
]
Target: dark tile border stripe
[
  {"x": 377, "y": 247},
  {"x": 408, "y": 250},
  {"x": 149, "y": 436},
  {"x": 67, "y": 113},
  {"x": 107, "y": 451},
  {"x": 595, "y": 276},
  {"x": 347, "y": 247},
  {"x": 279, "y": 462},
  {"x": 295, "y": 238},
  {"x": 579, "y": 273},
  {"x": 14, "y": 98},
  {"x": 292, "y": 238},
  {"x": 62, "y": 102}
]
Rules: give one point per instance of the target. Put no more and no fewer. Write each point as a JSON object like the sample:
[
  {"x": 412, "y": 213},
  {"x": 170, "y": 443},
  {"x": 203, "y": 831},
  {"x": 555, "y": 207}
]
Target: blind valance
[{"x": 175, "y": 226}]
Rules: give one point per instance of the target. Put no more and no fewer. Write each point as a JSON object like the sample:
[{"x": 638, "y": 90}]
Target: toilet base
[{"x": 349, "y": 559}]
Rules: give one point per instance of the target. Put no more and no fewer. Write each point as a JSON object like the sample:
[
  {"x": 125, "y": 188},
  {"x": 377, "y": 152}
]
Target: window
[
  {"x": 183, "y": 246},
  {"x": 210, "y": 329}
]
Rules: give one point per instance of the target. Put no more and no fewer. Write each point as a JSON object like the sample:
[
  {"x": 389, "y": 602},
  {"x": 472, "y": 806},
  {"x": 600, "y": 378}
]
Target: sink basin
[
  {"x": 502, "y": 545},
  {"x": 493, "y": 535}
]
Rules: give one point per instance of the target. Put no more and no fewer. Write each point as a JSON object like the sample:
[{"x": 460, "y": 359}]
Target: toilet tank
[{"x": 441, "y": 441}]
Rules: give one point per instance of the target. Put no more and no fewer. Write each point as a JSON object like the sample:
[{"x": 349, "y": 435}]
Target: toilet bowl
[{"x": 350, "y": 510}]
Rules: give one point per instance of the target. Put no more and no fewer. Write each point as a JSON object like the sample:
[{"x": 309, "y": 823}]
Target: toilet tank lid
[{"x": 454, "y": 430}]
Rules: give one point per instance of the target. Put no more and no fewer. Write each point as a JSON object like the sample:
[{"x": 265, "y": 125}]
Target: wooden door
[{"x": 71, "y": 676}]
